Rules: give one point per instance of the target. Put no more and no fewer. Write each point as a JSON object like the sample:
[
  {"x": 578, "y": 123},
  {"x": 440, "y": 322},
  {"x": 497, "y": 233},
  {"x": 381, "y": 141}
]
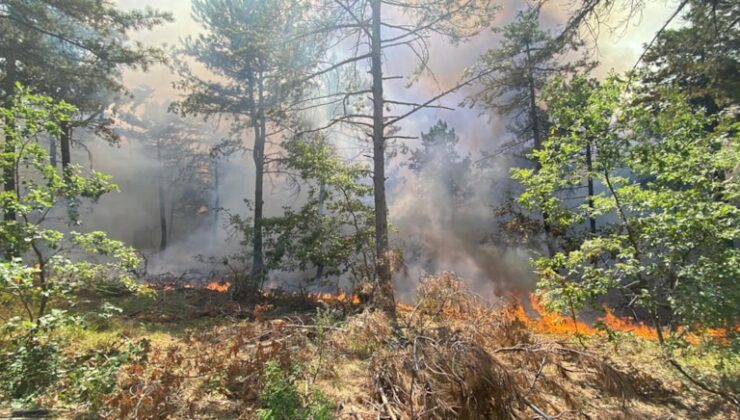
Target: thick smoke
[{"x": 434, "y": 234}]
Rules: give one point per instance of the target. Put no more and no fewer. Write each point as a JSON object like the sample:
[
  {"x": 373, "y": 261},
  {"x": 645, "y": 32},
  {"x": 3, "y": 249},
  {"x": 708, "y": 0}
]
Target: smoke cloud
[{"x": 433, "y": 234}]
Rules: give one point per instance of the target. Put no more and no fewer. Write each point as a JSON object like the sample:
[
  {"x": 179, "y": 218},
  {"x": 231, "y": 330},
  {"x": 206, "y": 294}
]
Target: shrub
[
  {"x": 281, "y": 399},
  {"x": 44, "y": 268}
]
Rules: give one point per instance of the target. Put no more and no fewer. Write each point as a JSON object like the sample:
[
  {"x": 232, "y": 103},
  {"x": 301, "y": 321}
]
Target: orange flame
[
  {"x": 554, "y": 323},
  {"x": 342, "y": 297},
  {"x": 220, "y": 287},
  {"x": 623, "y": 324}
]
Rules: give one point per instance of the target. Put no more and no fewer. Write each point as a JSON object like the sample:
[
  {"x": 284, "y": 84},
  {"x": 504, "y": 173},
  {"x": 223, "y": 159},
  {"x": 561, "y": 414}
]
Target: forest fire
[
  {"x": 554, "y": 323},
  {"x": 549, "y": 322},
  {"x": 222, "y": 286}
]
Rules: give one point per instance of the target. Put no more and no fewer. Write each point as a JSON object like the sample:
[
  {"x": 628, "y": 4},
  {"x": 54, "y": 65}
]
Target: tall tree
[
  {"x": 372, "y": 28},
  {"x": 249, "y": 45},
  {"x": 702, "y": 57},
  {"x": 516, "y": 72},
  {"x": 72, "y": 50},
  {"x": 182, "y": 152}
]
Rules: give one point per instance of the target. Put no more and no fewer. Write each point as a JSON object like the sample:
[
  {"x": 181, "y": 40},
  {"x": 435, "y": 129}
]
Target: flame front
[
  {"x": 341, "y": 297},
  {"x": 554, "y": 323}
]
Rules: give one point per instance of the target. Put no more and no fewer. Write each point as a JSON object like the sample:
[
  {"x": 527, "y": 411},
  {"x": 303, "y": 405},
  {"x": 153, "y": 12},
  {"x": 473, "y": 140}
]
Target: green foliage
[
  {"x": 75, "y": 50},
  {"x": 89, "y": 377},
  {"x": 334, "y": 229},
  {"x": 282, "y": 401},
  {"x": 700, "y": 56},
  {"x": 34, "y": 360},
  {"x": 279, "y": 394},
  {"x": 666, "y": 201},
  {"x": 55, "y": 270},
  {"x": 517, "y": 70},
  {"x": 31, "y": 359},
  {"x": 255, "y": 51},
  {"x": 43, "y": 268}
]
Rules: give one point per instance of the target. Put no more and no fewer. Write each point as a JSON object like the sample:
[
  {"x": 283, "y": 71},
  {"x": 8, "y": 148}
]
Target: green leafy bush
[
  {"x": 666, "y": 202},
  {"x": 42, "y": 268}
]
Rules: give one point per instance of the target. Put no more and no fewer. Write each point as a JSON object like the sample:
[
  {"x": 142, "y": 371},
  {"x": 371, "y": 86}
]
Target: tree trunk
[
  {"x": 321, "y": 211},
  {"x": 65, "y": 141},
  {"x": 590, "y": 182},
  {"x": 384, "y": 289},
  {"x": 257, "y": 257},
  {"x": 536, "y": 135},
  {"x": 73, "y": 204},
  {"x": 258, "y": 154},
  {"x": 216, "y": 199},
  {"x": 9, "y": 172},
  {"x": 160, "y": 194},
  {"x": 53, "y": 151}
]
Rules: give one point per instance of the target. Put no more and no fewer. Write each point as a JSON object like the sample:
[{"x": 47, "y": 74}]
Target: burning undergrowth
[
  {"x": 460, "y": 358},
  {"x": 449, "y": 355},
  {"x": 195, "y": 295}
]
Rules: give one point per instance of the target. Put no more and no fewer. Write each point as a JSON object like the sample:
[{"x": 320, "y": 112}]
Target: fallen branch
[
  {"x": 536, "y": 409},
  {"x": 732, "y": 399}
]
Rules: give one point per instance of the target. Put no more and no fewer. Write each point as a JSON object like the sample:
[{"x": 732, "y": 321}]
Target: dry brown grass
[
  {"x": 452, "y": 356},
  {"x": 458, "y": 358},
  {"x": 363, "y": 334},
  {"x": 219, "y": 369},
  {"x": 438, "y": 377}
]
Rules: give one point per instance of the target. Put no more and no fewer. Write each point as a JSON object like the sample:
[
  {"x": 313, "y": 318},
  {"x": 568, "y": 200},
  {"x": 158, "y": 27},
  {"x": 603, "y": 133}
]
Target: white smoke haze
[{"x": 433, "y": 235}]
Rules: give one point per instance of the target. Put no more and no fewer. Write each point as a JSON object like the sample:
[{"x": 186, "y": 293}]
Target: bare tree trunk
[
  {"x": 257, "y": 273},
  {"x": 257, "y": 258},
  {"x": 258, "y": 263},
  {"x": 216, "y": 198},
  {"x": 160, "y": 194},
  {"x": 322, "y": 211},
  {"x": 384, "y": 289}
]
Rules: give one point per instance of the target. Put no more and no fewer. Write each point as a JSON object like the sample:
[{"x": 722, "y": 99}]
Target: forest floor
[{"x": 450, "y": 356}]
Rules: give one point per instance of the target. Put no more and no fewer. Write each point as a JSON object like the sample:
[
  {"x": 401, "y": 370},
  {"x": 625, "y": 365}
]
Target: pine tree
[
  {"x": 516, "y": 72},
  {"x": 437, "y": 162},
  {"x": 258, "y": 63},
  {"x": 700, "y": 57},
  {"x": 367, "y": 26}
]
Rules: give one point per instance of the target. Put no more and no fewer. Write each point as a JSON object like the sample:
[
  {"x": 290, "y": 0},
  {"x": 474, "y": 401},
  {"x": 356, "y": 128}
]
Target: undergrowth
[{"x": 452, "y": 356}]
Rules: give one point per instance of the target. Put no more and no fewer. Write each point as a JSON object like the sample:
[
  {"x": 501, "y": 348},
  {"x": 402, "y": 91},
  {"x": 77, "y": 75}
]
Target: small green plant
[
  {"x": 279, "y": 394},
  {"x": 30, "y": 361},
  {"x": 90, "y": 377},
  {"x": 324, "y": 322},
  {"x": 282, "y": 401}
]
